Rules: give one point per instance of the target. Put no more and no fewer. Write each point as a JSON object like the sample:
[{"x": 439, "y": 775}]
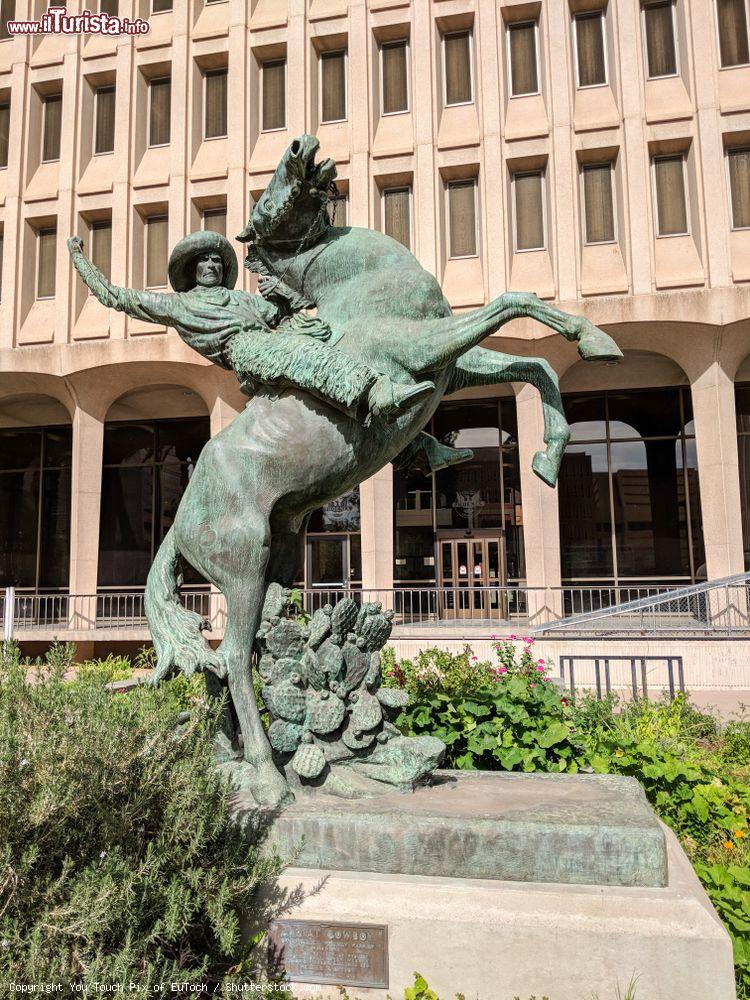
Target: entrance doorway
[
  {"x": 471, "y": 577},
  {"x": 333, "y": 561}
]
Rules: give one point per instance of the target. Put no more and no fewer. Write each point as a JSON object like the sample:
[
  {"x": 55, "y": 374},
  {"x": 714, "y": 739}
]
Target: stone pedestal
[{"x": 500, "y": 886}]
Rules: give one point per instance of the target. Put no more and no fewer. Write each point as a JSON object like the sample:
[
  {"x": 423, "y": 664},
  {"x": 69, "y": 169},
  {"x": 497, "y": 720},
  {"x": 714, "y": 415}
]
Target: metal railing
[
  {"x": 715, "y": 607},
  {"x": 621, "y": 671},
  {"x": 721, "y": 607}
]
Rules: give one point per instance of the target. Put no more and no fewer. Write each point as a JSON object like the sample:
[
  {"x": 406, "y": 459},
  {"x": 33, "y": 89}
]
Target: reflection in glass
[
  {"x": 35, "y": 507},
  {"x": 585, "y": 518},
  {"x": 634, "y": 488},
  {"x": 147, "y": 466}
]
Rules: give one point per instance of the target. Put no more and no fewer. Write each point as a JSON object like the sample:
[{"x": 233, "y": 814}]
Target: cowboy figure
[{"x": 247, "y": 334}]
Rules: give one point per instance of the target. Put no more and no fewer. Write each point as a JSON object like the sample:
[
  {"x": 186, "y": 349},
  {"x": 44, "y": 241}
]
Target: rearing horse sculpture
[{"x": 241, "y": 522}]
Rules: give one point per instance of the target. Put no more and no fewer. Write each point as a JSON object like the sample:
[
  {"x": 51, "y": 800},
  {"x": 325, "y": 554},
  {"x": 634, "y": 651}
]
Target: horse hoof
[
  {"x": 270, "y": 788},
  {"x": 595, "y": 345},
  {"x": 545, "y": 468}
]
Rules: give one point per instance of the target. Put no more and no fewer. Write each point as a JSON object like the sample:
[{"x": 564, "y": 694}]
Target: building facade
[{"x": 596, "y": 152}]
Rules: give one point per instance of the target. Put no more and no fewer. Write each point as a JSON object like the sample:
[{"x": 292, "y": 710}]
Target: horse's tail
[{"x": 176, "y": 632}]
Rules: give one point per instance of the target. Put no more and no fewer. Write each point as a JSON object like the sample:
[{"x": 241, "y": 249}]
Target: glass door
[{"x": 470, "y": 577}]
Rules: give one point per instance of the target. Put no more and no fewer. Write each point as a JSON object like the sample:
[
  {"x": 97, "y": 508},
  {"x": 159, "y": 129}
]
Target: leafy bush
[
  {"x": 119, "y": 856},
  {"x": 504, "y": 716}
]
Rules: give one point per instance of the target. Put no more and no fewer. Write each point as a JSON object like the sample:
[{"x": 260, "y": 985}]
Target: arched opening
[
  {"x": 35, "y": 463},
  {"x": 630, "y": 512},
  {"x": 152, "y": 439}
]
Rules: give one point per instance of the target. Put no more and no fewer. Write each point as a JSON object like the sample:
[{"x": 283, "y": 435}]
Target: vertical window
[
  {"x": 108, "y": 6},
  {"x": 659, "y": 29},
  {"x": 156, "y": 251},
  {"x": 671, "y": 207},
  {"x": 4, "y": 133},
  {"x": 160, "y": 114},
  {"x": 462, "y": 220},
  {"x": 629, "y": 498},
  {"x": 522, "y": 58},
  {"x": 528, "y": 191},
  {"x": 332, "y": 86},
  {"x": 590, "y": 49},
  {"x": 160, "y": 6},
  {"x": 742, "y": 400},
  {"x": 739, "y": 186},
  {"x": 101, "y": 246},
  {"x": 397, "y": 214},
  {"x": 51, "y": 127},
  {"x": 7, "y": 13},
  {"x": 338, "y": 209},
  {"x": 2, "y": 243},
  {"x": 146, "y": 467},
  {"x": 104, "y": 139},
  {"x": 46, "y": 242},
  {"x": 733, "y": 41},
  {"x": 598, "y": 203},
  {"x": 273, "y": 75},
  {"x": 394, "y": 77},
  {"x": 215, "y": 220},
  {"x": 35, "y": 507},
  {"x": 457, "y": 59},
  {"x": 215, "y": 98}
]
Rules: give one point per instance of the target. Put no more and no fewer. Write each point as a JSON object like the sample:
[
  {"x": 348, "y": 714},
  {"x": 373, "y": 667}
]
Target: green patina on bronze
[{"x": 335, "y": 397}]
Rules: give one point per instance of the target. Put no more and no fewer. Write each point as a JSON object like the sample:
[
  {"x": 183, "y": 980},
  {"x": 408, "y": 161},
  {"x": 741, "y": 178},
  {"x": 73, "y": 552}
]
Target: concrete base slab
[
  {"x": 591, "y": 829},
  {"x": 495, "y": 940}
]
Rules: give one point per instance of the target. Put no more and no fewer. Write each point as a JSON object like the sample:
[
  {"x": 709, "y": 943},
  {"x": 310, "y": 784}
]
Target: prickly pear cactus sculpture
[{"x": 331, "y": 720}]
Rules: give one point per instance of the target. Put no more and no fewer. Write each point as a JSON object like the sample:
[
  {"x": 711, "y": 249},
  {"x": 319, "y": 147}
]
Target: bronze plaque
[{"x": 337, "y": 954}]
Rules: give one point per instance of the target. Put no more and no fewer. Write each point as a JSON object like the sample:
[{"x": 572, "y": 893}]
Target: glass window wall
[
  {"x": 629, "y": 496},
  {"x": 147, "y": 466},
  {"x": 35, "y": 507}
]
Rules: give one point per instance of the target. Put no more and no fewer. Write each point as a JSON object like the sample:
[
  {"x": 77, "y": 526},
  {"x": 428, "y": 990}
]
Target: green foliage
[
  {"x": 506, "y": 716},
  {"x": 119, "y": 856}
]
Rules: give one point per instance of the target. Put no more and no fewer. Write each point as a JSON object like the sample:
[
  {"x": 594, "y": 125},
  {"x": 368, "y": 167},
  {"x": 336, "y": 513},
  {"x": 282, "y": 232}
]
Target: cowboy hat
[{"x": 182, "y": 260}]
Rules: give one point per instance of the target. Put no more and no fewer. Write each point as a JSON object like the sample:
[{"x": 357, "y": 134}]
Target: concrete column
[
  {"x": 85, "y": 505},
  {"x": 541, "y": 520},
  {"x": 718, "y": 471},
  {"x": 376, "y": 516}
]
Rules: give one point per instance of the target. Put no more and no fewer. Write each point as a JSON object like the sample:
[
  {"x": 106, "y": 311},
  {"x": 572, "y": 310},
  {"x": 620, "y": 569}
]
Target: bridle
[{"x": 316, "y": 228}]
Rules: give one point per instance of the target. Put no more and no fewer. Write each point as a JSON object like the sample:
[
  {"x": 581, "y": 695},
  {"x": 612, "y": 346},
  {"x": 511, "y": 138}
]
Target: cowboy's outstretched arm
[{"x": 149, "y": 306}]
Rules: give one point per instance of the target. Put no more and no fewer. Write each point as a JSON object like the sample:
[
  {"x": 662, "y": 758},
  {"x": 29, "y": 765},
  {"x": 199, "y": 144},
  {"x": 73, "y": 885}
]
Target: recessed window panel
[
  {"x": 739, "y": 187},
  {"x": 394, "y": 85},
  {"x": 644, "y": 413},
  {"x": 51, "y": 127},
  {"x": 397, "y": 214},
  {"x": 104, "y": 135},
  {"x": 529, "y": 210},
  {"x": 101, "y": 246},
  {"x": 457, "y": 50},
  {"x": 46, "y": 240},
  {"x": 332, "y": 86},
  {"x": 669, "y": 180},
  {"x": 54, "y": 562},
  {"x": 4, "y": 133},
  {"x": 215, "y": 123},
  {"x": 585, "y": 515},
  {"x": 126, "y": 526},
  {"x": 129, "y": 444},
  {"x": 590, "y": 49},
  {"x": 274, "y": 94},
  {"x": 661, "y": 50},
  {"x": 157, "y": 234},
  {"x": 462, "y": 219},
  {"x": 20, "y": 449},
  {"x": 733, "y": 34},
  {"x": 598, "y": 203},
  {"x": 215, "y": 220},
  {"x": 19, "y": 516},
  {"x": 160, "y": 114},
  {"x": 523, "y": 59}
]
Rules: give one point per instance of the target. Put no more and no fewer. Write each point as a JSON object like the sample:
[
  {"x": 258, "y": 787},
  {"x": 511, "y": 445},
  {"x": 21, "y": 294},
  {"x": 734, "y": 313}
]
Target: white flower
[
  {"x": 6, "y": 943},
  {"x": 23, "y": 763},
  {"x": 103, "y": 855}
]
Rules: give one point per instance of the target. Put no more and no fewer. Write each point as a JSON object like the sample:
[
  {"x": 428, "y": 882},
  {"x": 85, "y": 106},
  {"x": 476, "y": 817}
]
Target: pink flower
[
  {"x": 502, "y": 670},
  {"x": 541, "y": 669},
  {"x": 528, "y": 640},
  {"x": 541, "y": 662},
  {"x": 513, "y": 637},
  {"x": 474, "y": 659},
  {"x": 493, "y": 636}
]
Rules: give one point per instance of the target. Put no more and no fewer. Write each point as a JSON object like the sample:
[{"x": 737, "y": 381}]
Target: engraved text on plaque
[{"x": 315, "y": 951}]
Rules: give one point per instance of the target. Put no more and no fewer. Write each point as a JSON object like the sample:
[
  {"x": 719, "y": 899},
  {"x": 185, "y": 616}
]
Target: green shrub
[
  {"x": 119, "y": 856},
  {"x": 735, "y": 747}
]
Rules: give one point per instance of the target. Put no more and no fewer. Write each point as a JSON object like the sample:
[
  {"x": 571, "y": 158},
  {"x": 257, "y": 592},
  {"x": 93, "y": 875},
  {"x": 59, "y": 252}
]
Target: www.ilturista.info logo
[{"x": 57, "y": 21}]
